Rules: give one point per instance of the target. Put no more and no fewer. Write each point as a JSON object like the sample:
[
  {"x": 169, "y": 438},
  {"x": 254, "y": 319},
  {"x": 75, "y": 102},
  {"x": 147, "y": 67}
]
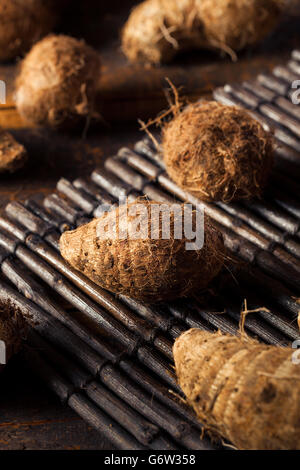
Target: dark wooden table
[{"x": 30, "y": 416}]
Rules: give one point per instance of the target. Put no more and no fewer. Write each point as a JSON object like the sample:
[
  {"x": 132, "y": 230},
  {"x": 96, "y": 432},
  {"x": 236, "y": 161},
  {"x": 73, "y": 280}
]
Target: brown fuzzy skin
[
  {"x": 217, "y": 152},
  {"x": 157, "y": 29},
  {"x": 57, "y": 82},
  {"x": 13, "y": 155},
  {"x": 235, "y": 24},
  {"x": 23, "y": 22},
  {"x": 148, "y": 269},
  {"x": 243, "y": 391}
]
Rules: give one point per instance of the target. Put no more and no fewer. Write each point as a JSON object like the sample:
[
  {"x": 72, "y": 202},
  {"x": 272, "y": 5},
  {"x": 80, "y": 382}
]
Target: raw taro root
[
  {"x": 241, "y": 390},
  {"x": 13, "y": 155},
  {"x": 23, "y": 22},
  {"x": 57, "y": 82},
  {"x": 235, "y": 24},
  {"x": 148, "y": 267},
  {"x": 157, "y": 29},
  {"x": 12, "y": 330},
  {"x": 217, "y": 152}
]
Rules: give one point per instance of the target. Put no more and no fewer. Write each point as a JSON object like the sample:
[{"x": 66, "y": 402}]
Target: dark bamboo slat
[
  {"x": 273, "y": 83},
  {"x": 288, "y": 224},
  {"x": 285, "y": 74},
  {"x": 282, "y": 134},
  {"x": 282, "y": 111},
  {"x": 32, "y": 290},
  {"x": 108, "y": 428},
  {"x": 143, "y": 430},
  {"x": 57, "y": 221},
  {"x": 279, "y": 322},
  {"x": 79, "y": 403},
  {"x": 257, "y": 325},
  {"x": 263, "y": 227},
  {"x": 294, "y": 66},
  {"x": 271, "y": 288},
  {"x": 285, "y": 201}
]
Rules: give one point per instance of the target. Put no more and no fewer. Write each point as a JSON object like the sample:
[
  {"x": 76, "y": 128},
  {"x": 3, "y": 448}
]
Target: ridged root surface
[
  {"x": 151, "y": 268},
  {"x": 241, "y": 390}
]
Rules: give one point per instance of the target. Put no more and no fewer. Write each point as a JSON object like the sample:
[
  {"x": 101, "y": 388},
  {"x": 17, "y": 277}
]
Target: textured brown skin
[
  {"x": 57, "y": 82},
  {"x": 150, "y": 270},
  {"x": 243, "y": 391},
  {"x": 13, "y": 155},
  {"x": 157, "y": 29},
  {"x": 23, "y": 22},
  {"x": 145, "y": 36},
  {"x": 217, "y": 152},
  {"x": 235, "y": 24}
]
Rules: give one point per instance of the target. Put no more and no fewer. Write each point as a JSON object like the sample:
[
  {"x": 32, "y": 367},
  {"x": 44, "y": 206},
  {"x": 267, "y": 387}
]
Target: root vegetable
[
  {"x": 241, "y": 390},
  {"x": 147, "y": 267},
  {"x": 23, "y": 22},
  {"x": 236, "y": 24},
  {"x": 57, "y": 81},
  {"x": 217, "y": 152},
  {"x": 12, "y": 154},
  {"x": 157, "y": 29}
]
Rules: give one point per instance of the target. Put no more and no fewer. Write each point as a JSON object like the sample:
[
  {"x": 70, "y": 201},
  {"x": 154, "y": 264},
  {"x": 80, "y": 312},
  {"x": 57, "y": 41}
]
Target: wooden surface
[{"x": 30, "y": 416}]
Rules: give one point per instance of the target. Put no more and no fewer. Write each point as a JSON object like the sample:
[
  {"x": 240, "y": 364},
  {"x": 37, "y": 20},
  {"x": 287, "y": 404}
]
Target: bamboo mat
[{"x": 109, "y": 357}]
